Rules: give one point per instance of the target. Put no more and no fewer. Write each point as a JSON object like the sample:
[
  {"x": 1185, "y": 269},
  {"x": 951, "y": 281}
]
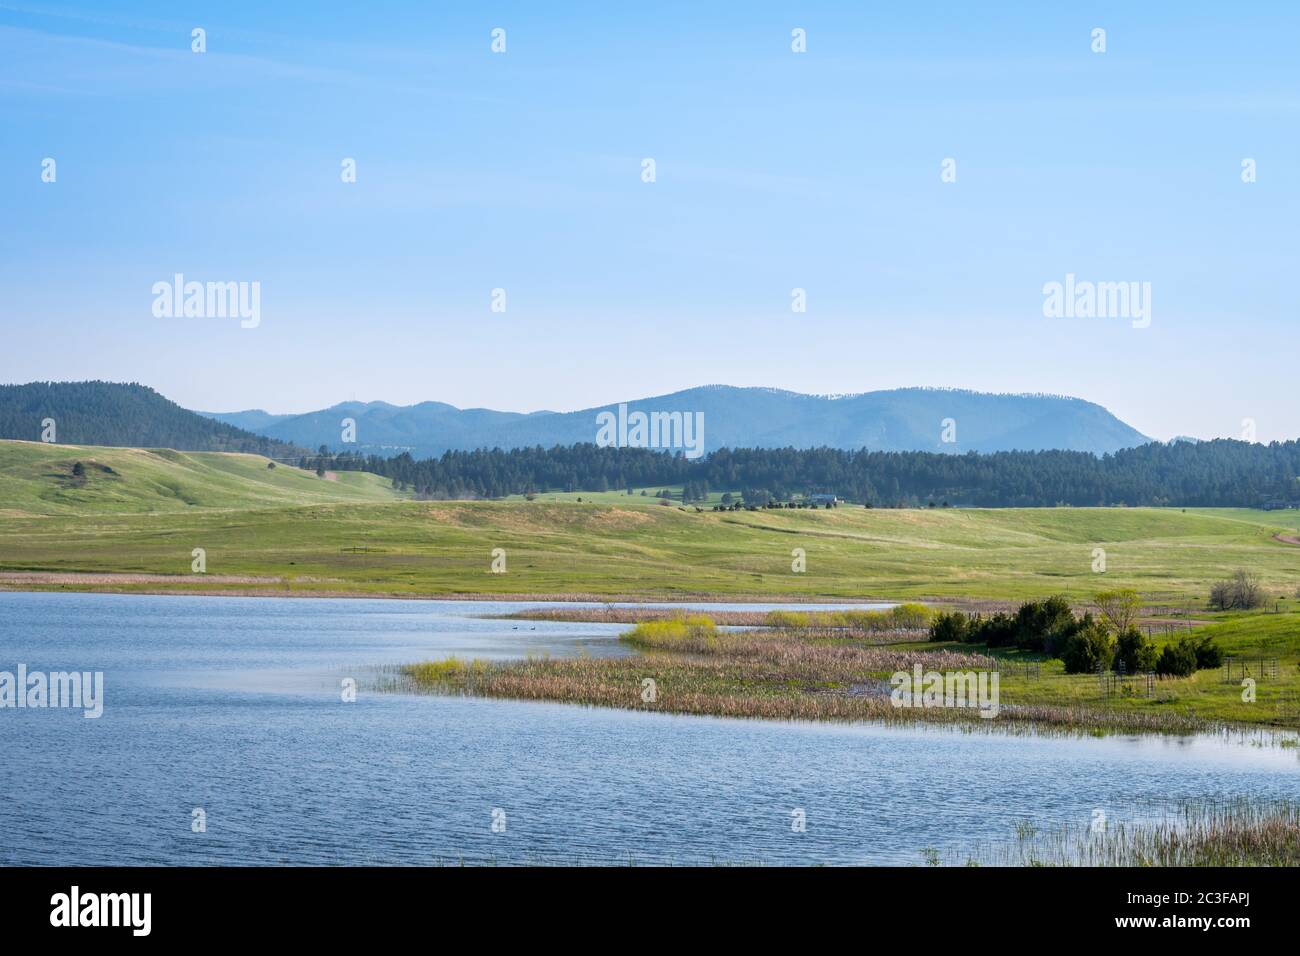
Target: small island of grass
[{"x": 1070, "y": 673}]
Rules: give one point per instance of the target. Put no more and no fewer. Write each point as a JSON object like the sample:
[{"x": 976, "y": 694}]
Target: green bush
[
  {"x": 1000, "y": 630},
  {"x": 1087, "y": 646},
  {"x": 1058, "y": 639},
  {"x": 1208, "y": 654},
  {"x": 1039, "y": 623},
  {"x": 950, "y": 626},
  {"x": 1177, "y": 659},
  {"x": 1036, "y": 626},
  {"x": 1135, "y": 652},
  {"x": 1189, "y": 654},
  {"x": 910, "y": 616}
]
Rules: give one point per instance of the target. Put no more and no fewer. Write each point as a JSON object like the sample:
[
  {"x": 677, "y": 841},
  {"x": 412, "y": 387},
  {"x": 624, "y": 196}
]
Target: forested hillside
[{"x": 109, "y": 413}]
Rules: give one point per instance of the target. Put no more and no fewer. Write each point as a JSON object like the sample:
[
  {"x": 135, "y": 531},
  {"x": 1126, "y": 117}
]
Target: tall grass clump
[
  {"x": 451, "y": 670},
  {"x": 680, "y": 633},
  {"x": 900, "y": 618},
  {"x": 1243, "y": 831}
]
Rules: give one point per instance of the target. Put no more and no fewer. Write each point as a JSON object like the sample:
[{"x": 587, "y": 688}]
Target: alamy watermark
[
  {"x": 63, "y": 689},
  {"x": 1083, "y": 299},
  {"x": 921, "y": 688},
  {"x": 683, "y": 430},
  {"x": 208, "y": 300},
  {"x": 76, "y": 908}
]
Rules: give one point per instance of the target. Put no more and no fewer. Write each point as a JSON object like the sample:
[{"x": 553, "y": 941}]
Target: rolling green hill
[
  {"x": 41, "y": 479},
  {"x": 140, "y": 512}
]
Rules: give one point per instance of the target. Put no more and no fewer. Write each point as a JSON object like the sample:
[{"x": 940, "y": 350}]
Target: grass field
[
  {"x": 621, "y": 497},
  {"x": 354, "y": 535},
  {"x": 37, "y": 478}
]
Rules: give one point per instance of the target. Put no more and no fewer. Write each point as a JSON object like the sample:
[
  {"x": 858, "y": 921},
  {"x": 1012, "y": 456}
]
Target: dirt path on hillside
[{"x": 1287, "y": 538}]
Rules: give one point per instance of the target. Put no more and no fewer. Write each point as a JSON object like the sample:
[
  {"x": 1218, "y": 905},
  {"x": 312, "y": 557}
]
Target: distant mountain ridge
[{"x": 904, "y": 419}]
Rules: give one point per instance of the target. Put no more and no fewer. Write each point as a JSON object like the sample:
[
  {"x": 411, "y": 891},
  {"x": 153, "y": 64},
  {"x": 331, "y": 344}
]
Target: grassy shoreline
[
  {"x": 688, "y": 666},
  {"x": 1199, "y": 833}
]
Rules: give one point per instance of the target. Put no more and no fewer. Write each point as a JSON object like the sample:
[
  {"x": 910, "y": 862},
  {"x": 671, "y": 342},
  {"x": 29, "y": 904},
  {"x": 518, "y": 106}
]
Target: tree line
[{"x": 1220, "y": 473}]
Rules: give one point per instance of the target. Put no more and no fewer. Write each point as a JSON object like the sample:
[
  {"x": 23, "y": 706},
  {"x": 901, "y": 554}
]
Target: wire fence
[
  {"x": 1030, "y": 670},
  {"x": 1239, "y": 668},
  {"x": 1119, "y": 684}
]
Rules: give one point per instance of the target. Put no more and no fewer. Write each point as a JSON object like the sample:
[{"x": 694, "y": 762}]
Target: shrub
[
  {"x": 1135, "y": 652},
  {"x": 1000, "y": 630},
  {"x": 1177, "y": 659},
  {"x": 1119, "y": 609},
  {"x": 910, "y": 616},
  {"x": 1086, "y": 647},
  {"x": 950, "y": 626},
  {"x": 1240, "y": 592},
  {"x": 1208, "y": 654},
  {"x": 1038, "y": 621},
  {"x": 1055, "y": 642},
  {"x": 1036, "y": 626}
]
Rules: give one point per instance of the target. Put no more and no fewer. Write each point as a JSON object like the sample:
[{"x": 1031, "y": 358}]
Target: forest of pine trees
[
  {"x": 130, "y": 416},
  {"x": 1221, "y": 473}
]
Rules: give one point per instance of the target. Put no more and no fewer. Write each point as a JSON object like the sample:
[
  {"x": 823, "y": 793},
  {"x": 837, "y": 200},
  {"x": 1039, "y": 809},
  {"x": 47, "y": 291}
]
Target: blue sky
[{"x": 775, "y": 170}]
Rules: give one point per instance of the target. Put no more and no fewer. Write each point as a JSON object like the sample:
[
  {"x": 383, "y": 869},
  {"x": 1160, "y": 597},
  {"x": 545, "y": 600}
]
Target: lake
[{"x": 233, "y": 706}]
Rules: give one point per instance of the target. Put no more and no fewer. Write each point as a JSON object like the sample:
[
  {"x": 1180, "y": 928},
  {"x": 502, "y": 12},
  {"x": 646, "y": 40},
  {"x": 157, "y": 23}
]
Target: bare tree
[
  {"x": 1119, "y": 608},
  {"x": 1240, "y": 592}
]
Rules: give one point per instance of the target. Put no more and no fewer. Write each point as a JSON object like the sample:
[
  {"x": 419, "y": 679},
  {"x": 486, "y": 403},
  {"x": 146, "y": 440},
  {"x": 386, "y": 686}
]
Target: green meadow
[
  {"x": 38, "y": 479},
  {"x": 134, "y": 511}
]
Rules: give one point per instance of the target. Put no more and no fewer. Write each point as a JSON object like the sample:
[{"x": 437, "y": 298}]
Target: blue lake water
[{"x": 232, "y": 705}]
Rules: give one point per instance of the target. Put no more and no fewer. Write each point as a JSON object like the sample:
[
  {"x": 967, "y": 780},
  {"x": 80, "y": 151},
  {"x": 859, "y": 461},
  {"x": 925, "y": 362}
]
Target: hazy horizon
[
  {"x": 629, "y": 398},
  {"x": 775, "y": 171}
]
